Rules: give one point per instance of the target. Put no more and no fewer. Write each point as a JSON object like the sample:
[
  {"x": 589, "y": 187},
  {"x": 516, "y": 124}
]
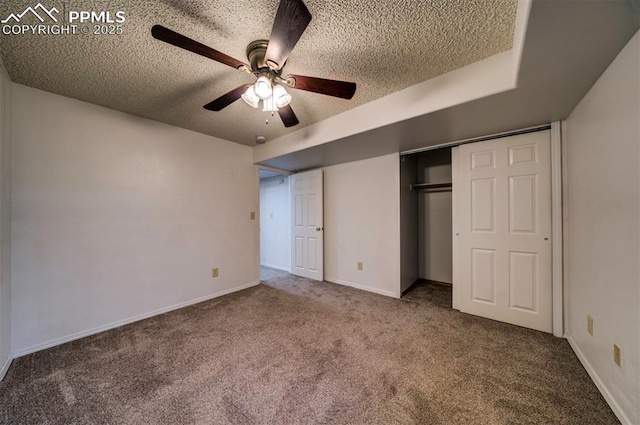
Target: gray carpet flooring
[{"x": 293, "y": 351}]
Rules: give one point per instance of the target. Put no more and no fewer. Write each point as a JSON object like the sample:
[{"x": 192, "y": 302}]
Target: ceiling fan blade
[
  {"x": 169, "y": 36},
  {"x": 289, "y": 119},
  {"x": 334, "y": 88},
  {"x": 226, "y": 99},
  {"x": 291, "y": 20}
]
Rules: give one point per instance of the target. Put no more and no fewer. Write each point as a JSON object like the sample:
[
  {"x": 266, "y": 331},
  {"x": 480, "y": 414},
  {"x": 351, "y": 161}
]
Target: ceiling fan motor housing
[
  {"x": 256, "y": 51},
  {"x": 292, "y": 18}
]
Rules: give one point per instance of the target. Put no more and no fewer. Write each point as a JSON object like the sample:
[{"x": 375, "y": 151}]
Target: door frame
[
  {"x": 556, "y": 224},
  {"x": 557, "y": 270}
]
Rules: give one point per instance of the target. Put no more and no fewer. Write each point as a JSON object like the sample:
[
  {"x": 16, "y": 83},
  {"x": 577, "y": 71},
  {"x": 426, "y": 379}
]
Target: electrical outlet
[
  {"x": 253, "y": 215},
  {"x": 271, "y": 216},
  {"x": 590, "y": 325},
  {"x": 360, "y": 265},
  {"x": 617, "y": 355},
  {"x": 214, "y": 272}
]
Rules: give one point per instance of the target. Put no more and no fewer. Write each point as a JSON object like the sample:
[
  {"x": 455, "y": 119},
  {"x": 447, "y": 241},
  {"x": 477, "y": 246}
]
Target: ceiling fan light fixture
[
  {"x": 266, "y": 60},
  {"x": 263, "y": 88},
  {"x": 282, "y": 98},
  {"x": 269, "y": 105},
  {"x": 251, "y": 98}
]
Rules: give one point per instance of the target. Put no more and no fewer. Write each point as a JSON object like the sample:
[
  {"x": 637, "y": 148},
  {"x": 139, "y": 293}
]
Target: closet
[
  {"x": 478, "y": 217},
  {"x": 426, "y": 217}
]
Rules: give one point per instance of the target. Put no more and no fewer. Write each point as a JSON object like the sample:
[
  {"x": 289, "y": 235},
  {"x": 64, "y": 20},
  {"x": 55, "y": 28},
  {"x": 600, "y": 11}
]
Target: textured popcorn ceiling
[{"x": 383, "y": 46}]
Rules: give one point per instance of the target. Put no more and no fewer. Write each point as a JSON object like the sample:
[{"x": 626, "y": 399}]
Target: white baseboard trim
[
  {"x": 596, "y": 379},
  {"x": 361, "y": 287},
  {"x": 273, "y": 266},
  {"x": 5, "y": 367},
  {"x": 89, "y": 332}
]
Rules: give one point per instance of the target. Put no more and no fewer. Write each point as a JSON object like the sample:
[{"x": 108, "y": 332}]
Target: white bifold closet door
[
  {"x": 307, "y": 250},
  {"x": 502, "y": 229}
]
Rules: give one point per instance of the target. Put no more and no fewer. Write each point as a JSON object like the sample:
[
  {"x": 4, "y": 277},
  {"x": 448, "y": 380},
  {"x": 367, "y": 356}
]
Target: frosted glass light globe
[
  {"x": 282, "y": 98},
  {"x": 269, "y": 105},
  {"x": 262, "y": 88},
  {"x": 250, "y": 97}
]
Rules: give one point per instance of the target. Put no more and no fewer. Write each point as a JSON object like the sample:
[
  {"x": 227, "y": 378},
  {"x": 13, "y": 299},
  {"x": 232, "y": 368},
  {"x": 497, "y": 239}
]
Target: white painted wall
[
  {"x": 275, "y": 223},
  {"x": 362, "y": 223},
  {"x": 408, "y": 222},
  {"x": 117, "y": 218},
  {"x": 5, "y": 220},
  {"x": 603, "y": 193},
  {"x": 435, "y": 217}
]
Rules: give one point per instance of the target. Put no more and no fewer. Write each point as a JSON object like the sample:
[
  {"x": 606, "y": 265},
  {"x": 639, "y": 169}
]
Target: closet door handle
[{"x": 318, "y": 229}]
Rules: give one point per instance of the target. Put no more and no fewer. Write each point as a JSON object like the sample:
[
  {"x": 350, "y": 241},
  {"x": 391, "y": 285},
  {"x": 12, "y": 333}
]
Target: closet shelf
[{"x": 431, "y": 186}]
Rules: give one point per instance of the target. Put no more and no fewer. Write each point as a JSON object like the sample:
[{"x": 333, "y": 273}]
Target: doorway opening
[{"x": 275, "y": 220}]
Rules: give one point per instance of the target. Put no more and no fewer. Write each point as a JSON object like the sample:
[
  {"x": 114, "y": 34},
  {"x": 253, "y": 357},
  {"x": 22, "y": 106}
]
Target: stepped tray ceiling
[{"x": 383, "y": 46}]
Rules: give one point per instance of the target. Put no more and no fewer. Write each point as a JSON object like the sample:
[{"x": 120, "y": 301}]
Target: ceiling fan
[{"x": 266, "y": 60}]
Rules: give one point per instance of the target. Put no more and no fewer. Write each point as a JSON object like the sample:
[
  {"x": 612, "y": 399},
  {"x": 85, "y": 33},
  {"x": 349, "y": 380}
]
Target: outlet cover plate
[{"x": 617, "y": 355}]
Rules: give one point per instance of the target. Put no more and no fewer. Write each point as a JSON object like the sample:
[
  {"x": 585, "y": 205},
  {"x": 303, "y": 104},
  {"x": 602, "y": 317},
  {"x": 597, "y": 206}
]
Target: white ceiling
[{"x": 383, "y": 46}]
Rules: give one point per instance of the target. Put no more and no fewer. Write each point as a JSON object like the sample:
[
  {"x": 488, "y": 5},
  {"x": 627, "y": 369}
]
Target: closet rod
[{"x": 431, "y": 185}]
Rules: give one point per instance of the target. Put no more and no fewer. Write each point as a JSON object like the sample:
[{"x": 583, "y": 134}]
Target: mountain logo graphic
[{"x": 33, "y": 10}]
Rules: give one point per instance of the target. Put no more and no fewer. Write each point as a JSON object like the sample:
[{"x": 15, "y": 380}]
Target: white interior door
[
  {"x": 502, "y": 232},
  {"x": 307, "y": 250}
]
